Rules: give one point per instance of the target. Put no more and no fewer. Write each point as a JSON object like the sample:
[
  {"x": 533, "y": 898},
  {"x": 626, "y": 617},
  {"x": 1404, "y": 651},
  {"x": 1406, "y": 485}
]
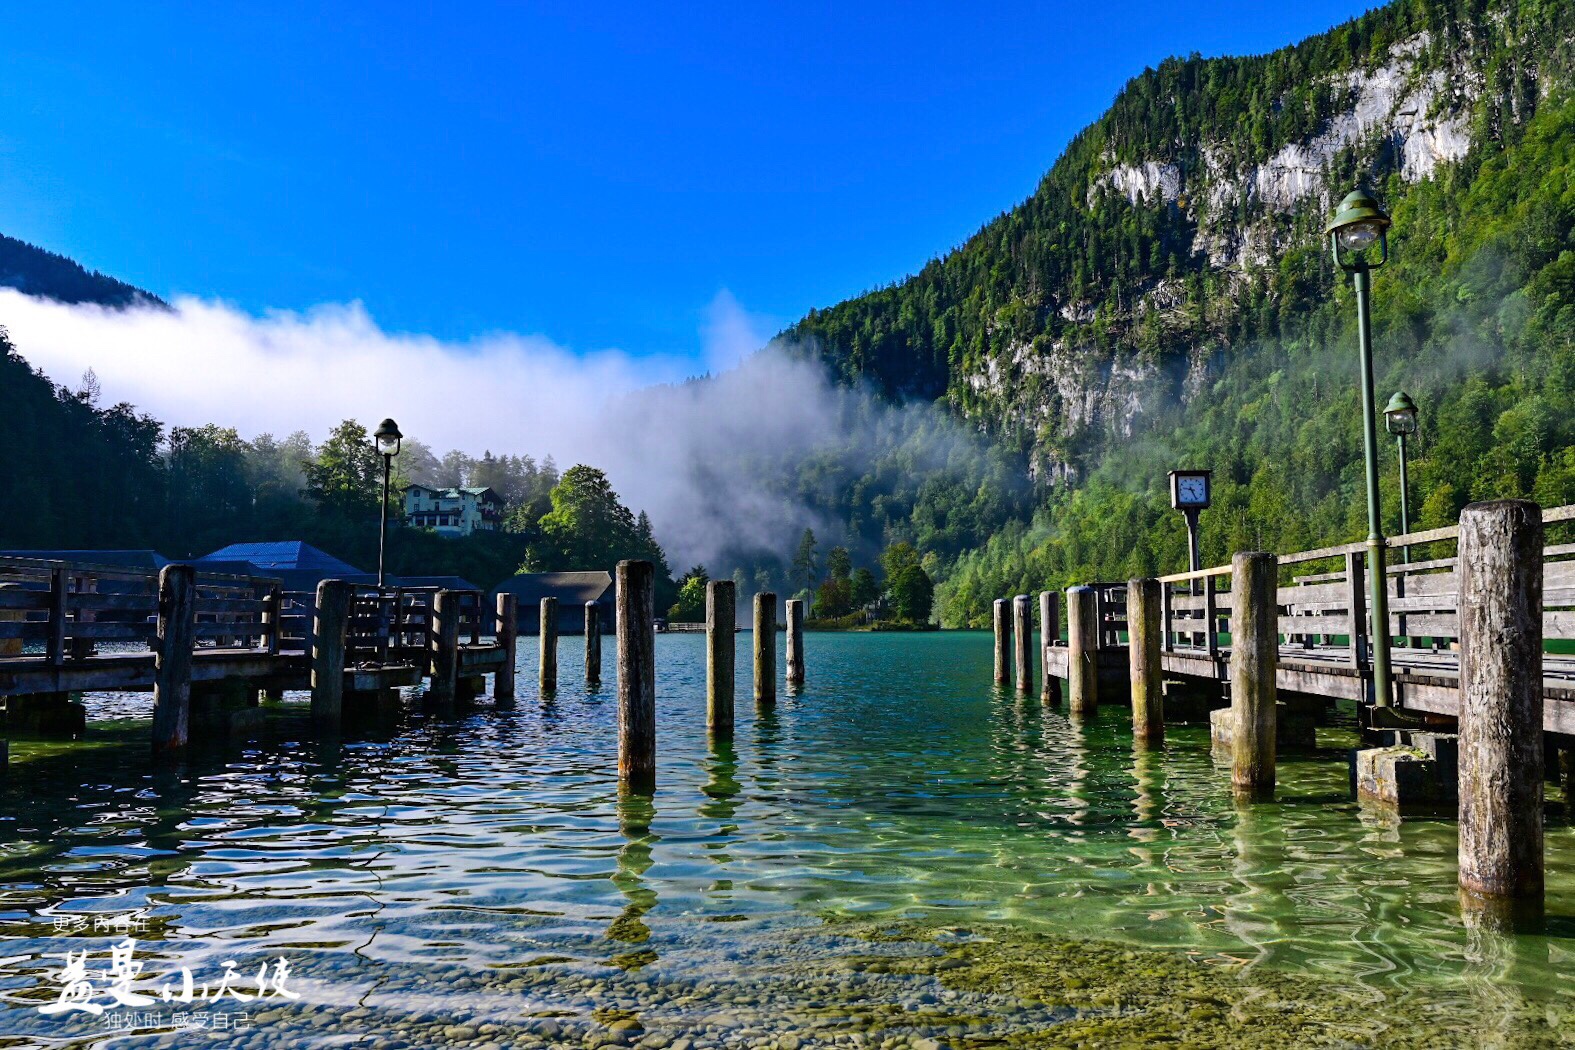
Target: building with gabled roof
[
  {"x": 572, "y": 589},
  {"x": 455, "y": 511}
]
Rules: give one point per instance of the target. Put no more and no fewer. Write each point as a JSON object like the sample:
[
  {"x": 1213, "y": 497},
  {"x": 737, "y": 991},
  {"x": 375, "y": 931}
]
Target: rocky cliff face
[{"x": 1187, "y": 222}]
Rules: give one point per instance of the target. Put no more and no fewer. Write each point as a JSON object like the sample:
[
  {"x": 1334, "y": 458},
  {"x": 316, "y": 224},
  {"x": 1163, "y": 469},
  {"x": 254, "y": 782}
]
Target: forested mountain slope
[
  {"x": 43, "y": 273},
  {"x": 1165, "y": 298}
]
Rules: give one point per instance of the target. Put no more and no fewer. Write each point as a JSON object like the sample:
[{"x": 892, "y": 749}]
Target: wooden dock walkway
[{"x": 208, "y": 646}]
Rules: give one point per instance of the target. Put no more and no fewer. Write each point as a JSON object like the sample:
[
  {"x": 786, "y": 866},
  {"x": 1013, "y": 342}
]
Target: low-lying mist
[{"x": 731, "y": 467}]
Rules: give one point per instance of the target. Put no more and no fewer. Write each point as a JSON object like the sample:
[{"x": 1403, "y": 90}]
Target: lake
[{"x": 897, "y": 855}]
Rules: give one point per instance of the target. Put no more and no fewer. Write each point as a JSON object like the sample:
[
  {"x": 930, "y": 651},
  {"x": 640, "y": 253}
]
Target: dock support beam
[
  {"x": 795, "y": 641},
  {"x": 1001, "y": 620},
  {"x": 636, "y": 619},
  {"x": 1501, "y": 862},
  {"x": 547, "y": 669},
  {"x": 1082, "y": 657},
  {"x": 720, "y": 650},
  {"x": 172, "y": 659},
  {"x": 1023, "y": 638},
  {"x": 330, "y": 621},
  {"x": 593, "y": 644},
  {"x": 1254, "y": 656},
  {"x": 765, "y": 648},
  {"x": 444, "y": 685},
  {"x": 1143, "y": 655},
  {"x": 508, "y": 639},
  {"x": 1049, "y": 634}
]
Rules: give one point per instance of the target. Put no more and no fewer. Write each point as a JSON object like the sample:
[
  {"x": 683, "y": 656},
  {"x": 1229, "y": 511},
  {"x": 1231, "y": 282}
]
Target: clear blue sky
[{"x": 592, "y": 173}]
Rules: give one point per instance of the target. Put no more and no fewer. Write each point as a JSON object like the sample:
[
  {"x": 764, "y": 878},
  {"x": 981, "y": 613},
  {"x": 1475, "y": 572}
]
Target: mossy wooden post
[
  {"x": 172, "y": 656},
  {"x": 330, "y": 621},
  {"x": 1501, "y": 863},
  {"x": 720, "y": 650},
  {"x": 636, "y": 594},
  {"x": 1023, "y": 639},
  {"x": 1001, "y": 620},
  {"x": 795, "y": 641},
  {"x": 1254, "y": 656},
  {"x": 765, "y": 648},
  {"x": 508, "y": 641},
  {"x": 547, "y": 668},
  {"x": 444, "y": 635},
  {"x": 1049, "y": 633},
  {"x": 1082, "y": 655},
  {"x": 593, "y": 644},
  {"x": 1143, "y": 655}
]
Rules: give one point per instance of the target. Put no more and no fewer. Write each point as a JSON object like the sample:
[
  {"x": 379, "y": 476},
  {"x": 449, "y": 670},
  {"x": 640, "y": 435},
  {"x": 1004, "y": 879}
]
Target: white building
[{"x": 453, "y": 512}]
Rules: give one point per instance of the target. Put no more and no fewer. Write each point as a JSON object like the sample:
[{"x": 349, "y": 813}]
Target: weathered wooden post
[
  {"x": 720, "y": 648},
  {"x": 1001, "y": 620},
  {"x": 444, "y": 634},
  {"x": 547, "y": 670},
  {"x": 508, "y": 641},
  {"x": 172, "y": 658},
  {"x": 1082, "y": 656},
  {"x": 1143, "y": 655},
  {"x": 765, "y": 648},
  {"x": 330, "y": 621},
  {"x": 1049, "y": 633},
  {"x": 795, "y": 641},
  {"x": 1254, "y": 656},
  {"x": 1023, "y": 637},
  {"x": 1501, "y": 863},
  {"x": 593, "y": 644},
  {"x": 636, "y": 595}
]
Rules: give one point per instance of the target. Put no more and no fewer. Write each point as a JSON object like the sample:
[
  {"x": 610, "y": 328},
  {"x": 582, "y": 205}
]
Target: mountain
[
  {"x": 43, "y": 273},
  {"x": 1165, "y": 297}
]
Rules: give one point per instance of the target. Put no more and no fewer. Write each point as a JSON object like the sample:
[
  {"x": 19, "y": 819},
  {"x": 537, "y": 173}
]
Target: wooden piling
[
  {"x": 720, "y": 649},
  {"x": 508, "y": 640},
  {"x": 444, "y": 638},
  {"x": 1254, "y": 655},
  {"x": 330, "y": 621},
  {"x": 547, "y": 667},
  {"x": 1049, "y": 634},
  {"x": 1023, "y": 638},
  {"x": 1082, "y": 657},
  {"x": 1144, "y": 625},
  {"x": 593, "y": 644},
  {"x": 1001, "y": 619},
  {"x": 1501, "y": 758},
  {"x": 636, "y": 596},
  {"x": 172, "y": 656},
  {"x": 795, "y": 641},
  {"x": 765, "y": 648}
]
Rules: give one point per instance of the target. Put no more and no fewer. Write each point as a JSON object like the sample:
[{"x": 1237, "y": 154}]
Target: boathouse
[{"x": 572, "y": 589}]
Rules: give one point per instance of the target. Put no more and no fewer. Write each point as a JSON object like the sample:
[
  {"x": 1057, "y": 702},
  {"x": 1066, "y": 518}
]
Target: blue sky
[{"x": 594, "y": 174}]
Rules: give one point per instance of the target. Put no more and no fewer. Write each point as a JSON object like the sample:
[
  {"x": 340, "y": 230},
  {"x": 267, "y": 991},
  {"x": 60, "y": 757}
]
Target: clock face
[{"x": 1192, "y": 491}]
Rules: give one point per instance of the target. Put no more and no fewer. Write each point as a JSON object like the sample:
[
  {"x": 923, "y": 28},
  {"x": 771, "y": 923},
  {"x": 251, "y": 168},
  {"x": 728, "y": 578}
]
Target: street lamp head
[
  {"x": 388, "y": 437},
  {"x": 1358, "y": 225},
  {"x": 1400, "y": 414}
]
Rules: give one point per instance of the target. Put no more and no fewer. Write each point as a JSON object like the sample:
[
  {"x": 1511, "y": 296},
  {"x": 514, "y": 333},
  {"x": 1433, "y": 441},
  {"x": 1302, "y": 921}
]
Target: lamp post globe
[
  {"x": 1400, "y": 415},
  {"x": 388, "y": 439},
  {"x": 1360, "y": 226}
]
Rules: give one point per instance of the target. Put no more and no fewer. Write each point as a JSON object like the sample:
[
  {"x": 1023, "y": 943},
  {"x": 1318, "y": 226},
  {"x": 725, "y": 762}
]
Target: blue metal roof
[{"x": 282, "y": 555}]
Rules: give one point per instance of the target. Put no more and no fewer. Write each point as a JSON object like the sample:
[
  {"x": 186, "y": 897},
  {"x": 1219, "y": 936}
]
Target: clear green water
[{"x": 479, "y": 881}]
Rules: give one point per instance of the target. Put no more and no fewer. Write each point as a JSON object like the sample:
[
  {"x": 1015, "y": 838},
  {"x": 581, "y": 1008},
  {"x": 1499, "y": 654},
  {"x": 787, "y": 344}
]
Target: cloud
[{"x": 716, "y": 462}]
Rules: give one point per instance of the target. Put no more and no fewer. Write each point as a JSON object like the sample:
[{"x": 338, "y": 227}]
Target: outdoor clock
[{"x": 1189, "y": 489}]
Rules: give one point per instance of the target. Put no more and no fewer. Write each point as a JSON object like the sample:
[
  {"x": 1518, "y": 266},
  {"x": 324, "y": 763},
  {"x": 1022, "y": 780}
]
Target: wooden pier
[{"x": 208, "y": 646}]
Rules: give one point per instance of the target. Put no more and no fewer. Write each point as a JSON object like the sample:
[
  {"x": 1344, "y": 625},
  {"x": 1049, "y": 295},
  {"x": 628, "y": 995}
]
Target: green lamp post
[
  {"x": 1357, "y": 229},
  {"x": 1400, "y": 419}
]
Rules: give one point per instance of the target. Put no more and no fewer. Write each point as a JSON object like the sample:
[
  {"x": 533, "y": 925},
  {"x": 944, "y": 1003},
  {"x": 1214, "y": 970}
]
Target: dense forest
[
  {"x": 36, "y": 271},
  {"x": 91, "y": 476},
  {"x": 1164, "y": 299}
]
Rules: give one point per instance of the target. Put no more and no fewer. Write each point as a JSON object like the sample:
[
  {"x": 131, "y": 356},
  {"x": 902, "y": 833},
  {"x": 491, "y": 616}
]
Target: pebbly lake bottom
[{"x": 896, "y": 855}]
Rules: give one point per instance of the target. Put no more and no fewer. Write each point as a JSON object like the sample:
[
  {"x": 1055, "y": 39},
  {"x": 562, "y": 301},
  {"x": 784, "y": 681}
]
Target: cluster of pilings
[{"x": 1500, "y": 716}]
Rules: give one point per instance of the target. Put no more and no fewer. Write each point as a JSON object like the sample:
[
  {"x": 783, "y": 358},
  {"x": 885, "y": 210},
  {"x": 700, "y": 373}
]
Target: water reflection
[{"x": 636, "y": 811}]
